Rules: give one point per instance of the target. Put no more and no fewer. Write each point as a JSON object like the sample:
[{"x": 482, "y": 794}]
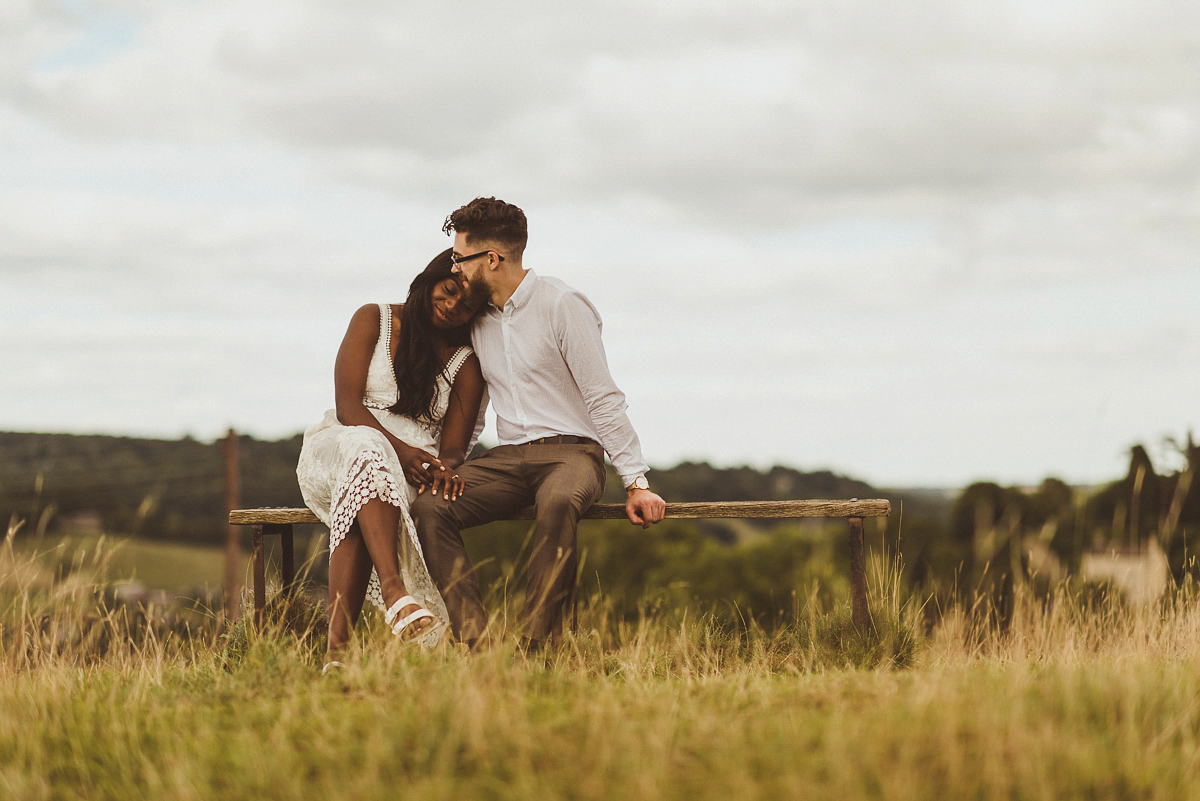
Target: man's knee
[
  {"x": 434, "y": 518},
  {"x": 570, "y": 491},
  {"x": 561, "y": 505},
  {"x": 427, "y": 506}
]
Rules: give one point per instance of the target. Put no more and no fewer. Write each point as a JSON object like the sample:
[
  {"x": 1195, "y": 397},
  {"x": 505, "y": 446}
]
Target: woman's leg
[
  {"x": 379, "y": 523},
  {"x": 349, "y": 573}
]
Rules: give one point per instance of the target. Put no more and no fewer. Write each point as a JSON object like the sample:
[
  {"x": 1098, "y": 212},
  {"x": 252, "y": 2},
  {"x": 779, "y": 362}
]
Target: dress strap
[
  {"x": 456, "y": 362},
  {"x": 385, "y": 326}
]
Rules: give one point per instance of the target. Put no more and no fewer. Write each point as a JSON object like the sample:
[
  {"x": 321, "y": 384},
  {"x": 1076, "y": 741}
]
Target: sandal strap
[
  {"x": 394, "y": 609},
  {"x": 401, "y": 625}
]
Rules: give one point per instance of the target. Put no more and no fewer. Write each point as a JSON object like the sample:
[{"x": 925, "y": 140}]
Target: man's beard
[{"x": 477, "y": 293}]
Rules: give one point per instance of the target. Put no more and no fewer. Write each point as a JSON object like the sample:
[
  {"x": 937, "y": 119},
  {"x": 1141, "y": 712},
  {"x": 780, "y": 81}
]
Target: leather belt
[{"x": 562, "y": 439}]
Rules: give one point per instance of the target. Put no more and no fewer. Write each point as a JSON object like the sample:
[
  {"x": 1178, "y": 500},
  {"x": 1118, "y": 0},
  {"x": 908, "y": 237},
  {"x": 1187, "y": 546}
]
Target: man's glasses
[{"x": 456, "y": 260}]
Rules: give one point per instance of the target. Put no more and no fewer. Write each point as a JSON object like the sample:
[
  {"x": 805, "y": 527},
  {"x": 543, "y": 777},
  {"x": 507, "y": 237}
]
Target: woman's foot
[{"x": 408, "y": 618}]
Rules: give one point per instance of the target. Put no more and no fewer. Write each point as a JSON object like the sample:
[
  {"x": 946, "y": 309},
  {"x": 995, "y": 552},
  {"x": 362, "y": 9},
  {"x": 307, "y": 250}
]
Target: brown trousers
[{"x": 561, "y": 481}]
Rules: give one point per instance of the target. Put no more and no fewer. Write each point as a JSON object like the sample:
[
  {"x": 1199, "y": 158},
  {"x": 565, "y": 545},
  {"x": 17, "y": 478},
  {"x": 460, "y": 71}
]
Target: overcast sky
[{"x": 919, "y": 243}]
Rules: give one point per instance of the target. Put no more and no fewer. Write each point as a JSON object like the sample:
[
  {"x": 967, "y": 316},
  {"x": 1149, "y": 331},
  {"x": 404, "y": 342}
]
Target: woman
[{"x": 407, "y": 385}]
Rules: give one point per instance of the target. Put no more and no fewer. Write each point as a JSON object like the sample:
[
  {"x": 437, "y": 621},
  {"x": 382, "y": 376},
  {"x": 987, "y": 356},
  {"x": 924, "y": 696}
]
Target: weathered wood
[
  {"x": 280, "y": 520},
  {"x": 233, "y": 572},
  {"x": 286, "y": 553},
  {"x": 279, "y": 514},
  {"x": 859, "y": 612},
  {"x": 616, "y": 511},
  {"x": 260, "y": 576}
]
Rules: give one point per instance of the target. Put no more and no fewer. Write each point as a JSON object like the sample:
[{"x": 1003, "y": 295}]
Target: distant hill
[
  {"x": 155, "y": 488},
  {"x": 700, "y": 481}
]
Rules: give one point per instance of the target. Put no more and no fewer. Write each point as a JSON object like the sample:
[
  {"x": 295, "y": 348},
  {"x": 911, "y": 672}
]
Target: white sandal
[
  {"x": 331, "y": 666},
  {"x": 399, "y": 626}
]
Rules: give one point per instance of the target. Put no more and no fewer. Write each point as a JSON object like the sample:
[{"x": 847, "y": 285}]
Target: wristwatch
[{"x": 638, "y": 483}]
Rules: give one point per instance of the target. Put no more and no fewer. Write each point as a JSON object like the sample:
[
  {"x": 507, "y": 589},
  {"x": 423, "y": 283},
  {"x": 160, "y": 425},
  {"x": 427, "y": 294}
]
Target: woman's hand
[
  {"x": 447, "y": 482},
  {"x": 418, "y": 466}
]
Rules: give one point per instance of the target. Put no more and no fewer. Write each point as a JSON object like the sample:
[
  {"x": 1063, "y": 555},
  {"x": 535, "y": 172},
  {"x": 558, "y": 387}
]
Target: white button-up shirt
[{"x": 546, "y": 372}]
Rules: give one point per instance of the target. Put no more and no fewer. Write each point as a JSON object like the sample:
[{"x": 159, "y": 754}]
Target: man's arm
[{"x": 577, "y": 325}]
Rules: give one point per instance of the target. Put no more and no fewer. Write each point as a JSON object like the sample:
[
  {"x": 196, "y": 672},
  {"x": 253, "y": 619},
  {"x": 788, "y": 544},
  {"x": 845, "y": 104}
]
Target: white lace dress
[{"x": 343, "y": 467}]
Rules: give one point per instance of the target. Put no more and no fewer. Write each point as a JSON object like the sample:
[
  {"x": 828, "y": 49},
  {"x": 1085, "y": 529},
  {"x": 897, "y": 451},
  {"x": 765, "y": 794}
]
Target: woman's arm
[
  {"x": 458, "y": 427},
  {"x": 350, "y": 381}
]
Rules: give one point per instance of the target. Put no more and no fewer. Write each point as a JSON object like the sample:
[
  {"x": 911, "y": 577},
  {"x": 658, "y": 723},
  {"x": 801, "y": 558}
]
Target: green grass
[
  {"x": 157, "y": 565},
  {"x": 1074, "y": 700}
]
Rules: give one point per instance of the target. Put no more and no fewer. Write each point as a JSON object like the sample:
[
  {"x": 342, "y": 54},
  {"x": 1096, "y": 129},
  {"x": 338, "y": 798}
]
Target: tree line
[{"x": 984, "y": 539}]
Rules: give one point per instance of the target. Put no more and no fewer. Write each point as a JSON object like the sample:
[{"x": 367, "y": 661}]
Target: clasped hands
[{"x": 425, "y": 471}]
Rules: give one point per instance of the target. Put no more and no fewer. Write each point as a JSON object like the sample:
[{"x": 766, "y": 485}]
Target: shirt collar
[{"x": 524, "y": 290}]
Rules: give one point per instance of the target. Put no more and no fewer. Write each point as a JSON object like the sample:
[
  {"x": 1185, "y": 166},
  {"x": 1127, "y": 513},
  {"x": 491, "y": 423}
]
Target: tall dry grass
[{"x": 1080, "y": 697}]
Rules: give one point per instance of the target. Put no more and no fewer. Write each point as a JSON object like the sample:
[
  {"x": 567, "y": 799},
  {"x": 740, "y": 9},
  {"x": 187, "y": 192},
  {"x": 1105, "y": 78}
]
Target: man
[{"x": 558, "y": 411}]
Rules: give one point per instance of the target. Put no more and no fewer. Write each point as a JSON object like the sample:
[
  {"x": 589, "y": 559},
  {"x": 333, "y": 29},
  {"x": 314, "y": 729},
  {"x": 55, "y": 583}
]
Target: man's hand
[
  {"x": 446, "y": 481},
  {"x": 644, "y": 508}
]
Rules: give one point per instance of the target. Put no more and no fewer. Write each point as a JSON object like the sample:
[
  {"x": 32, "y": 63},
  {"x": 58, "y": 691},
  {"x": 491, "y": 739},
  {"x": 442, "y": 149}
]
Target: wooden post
[
  {"x": 260, "y": 576},
  {"x": 859, "y": 612},
  {"x": 233, "y": 489},
  {"x": 286, "y": 553}
]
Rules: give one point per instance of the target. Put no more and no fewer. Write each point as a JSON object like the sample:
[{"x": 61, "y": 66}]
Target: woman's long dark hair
[{"x": 417, "y": 363}]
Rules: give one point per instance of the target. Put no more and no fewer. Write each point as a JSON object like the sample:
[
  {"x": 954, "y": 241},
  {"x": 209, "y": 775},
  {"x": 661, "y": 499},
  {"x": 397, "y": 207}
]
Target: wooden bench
[{"x": 272, "y": 521}]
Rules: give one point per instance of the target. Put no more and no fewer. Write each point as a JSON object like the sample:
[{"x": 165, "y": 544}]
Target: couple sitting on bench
[{"x": 386, "y": 470}]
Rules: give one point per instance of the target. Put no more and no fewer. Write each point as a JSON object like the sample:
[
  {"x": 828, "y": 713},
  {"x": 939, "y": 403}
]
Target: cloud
[
  {"x": 718, "y": 111},
  {"x": 911, "y": 240}
]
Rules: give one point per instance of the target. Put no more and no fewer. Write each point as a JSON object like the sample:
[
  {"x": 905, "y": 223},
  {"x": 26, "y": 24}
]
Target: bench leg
[
  {"x": 286, "y": 553},
  {"x": 260, "y": 576},
  {"x": 858, "y": 576}
]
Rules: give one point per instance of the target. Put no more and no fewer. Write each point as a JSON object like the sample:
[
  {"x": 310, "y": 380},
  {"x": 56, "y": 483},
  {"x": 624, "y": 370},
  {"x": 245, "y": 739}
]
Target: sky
[{"x": 918, "y": 243}]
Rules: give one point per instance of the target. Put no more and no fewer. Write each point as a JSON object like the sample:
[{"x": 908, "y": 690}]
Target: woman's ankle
[{"x": 393, "y": 590}]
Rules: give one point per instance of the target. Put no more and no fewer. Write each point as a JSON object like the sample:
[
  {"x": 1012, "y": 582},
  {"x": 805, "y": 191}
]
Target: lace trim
[
  {"x": 383, "y": 355},
  {"x": 367, "y": 478},
  {"x": 385, "y": 327},
  {"x": 450, "y": 371}
]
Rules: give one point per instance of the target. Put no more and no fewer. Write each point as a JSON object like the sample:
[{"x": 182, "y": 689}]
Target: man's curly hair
[{"x": 486, "y": 219}]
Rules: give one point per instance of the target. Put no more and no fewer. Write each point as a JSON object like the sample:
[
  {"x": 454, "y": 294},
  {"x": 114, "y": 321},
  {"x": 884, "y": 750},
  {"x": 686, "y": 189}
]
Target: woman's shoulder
[
  {"x": 376, "y": 308},
  {"x": 464, "y": 363},
  {"x": 463, "y": 354},
  {"x": 375, "y": 311},
  {"x": 455, "y": 356},
  {"x": 366, "y": 320},
  {"x": 369, "y": 319}
]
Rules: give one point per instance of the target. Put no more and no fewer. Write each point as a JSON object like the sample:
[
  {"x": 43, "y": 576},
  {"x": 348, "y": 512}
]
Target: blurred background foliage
[{"x": 982, "y": 540}]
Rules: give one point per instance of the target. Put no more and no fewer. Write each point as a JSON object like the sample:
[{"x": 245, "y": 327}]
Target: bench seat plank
[{"x": 616, "y": 511}]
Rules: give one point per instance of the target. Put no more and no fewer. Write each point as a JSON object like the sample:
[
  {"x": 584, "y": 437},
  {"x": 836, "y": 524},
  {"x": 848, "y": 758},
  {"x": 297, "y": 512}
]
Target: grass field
[
  {"x": 157, "y": 565},
  {"x": 1086, "y": 700}
]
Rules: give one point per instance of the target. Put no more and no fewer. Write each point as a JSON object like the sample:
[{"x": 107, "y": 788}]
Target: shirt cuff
[{"x": 626, "y": 481}]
